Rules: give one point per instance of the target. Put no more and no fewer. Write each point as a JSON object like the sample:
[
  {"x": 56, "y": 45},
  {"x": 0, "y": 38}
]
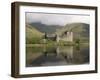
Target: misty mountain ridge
[
  {"x": 35, "y": 31},
  {"x": 45, "y": 28},
  {"x": 81, "y": 28}
]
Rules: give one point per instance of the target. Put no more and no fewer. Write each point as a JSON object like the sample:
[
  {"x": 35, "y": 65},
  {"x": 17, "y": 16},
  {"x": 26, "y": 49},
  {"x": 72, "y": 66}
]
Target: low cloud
[{"x": 56, "y": 19}]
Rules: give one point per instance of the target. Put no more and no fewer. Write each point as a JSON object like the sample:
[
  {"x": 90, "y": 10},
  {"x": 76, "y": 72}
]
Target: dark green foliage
[
  {"x": 45, "y": 28},
  {"x": 37, "y": 32}
]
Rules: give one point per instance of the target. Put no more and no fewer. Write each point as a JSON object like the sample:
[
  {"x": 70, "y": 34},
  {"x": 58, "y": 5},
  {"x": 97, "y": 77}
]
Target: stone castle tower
[{"x": 68, "y": 36}]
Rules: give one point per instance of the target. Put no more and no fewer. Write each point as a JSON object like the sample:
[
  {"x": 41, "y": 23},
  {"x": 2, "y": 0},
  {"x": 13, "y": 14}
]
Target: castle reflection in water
[{"x": 56, "y": 56}]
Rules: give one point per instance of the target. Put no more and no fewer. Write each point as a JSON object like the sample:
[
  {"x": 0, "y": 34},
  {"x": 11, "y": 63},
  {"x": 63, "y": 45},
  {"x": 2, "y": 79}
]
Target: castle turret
[{"x": 57, "y": 38}]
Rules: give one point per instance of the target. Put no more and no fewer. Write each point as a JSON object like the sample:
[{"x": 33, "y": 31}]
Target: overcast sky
[{"x": 56, "y": 19}]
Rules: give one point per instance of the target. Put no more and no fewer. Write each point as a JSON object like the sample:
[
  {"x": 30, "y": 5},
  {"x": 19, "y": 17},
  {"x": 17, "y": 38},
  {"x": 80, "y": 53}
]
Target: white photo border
[{"x": 54, "y": 69}]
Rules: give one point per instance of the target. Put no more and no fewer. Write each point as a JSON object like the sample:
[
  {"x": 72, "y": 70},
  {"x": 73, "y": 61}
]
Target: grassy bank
[{"x": 50, "y": 44}]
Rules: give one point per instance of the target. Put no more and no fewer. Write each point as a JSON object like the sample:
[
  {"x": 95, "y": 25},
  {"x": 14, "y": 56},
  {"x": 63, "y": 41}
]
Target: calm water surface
[{"x": 56, "y": 56}]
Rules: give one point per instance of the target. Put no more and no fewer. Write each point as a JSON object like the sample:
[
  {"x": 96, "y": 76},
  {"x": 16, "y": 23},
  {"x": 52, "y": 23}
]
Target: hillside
[
  {"x": 80, "y": 30},
  {"x": 78, "y": 27},
  {"x": 32, "y": 34},
  {"x": 35, "y": 31},
  {"x": 45, "y": 28}
]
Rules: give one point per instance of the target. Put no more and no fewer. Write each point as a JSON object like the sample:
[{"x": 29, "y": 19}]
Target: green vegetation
[
  {"x": 45, "y": 28},
  {"x": 80, "y": 30},
  {"x": 32, "y": 35}
]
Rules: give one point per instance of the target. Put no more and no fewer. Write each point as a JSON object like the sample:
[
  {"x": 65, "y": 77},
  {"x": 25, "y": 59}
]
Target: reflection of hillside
[
  {"x": 57, "y": 56},
  {"x": 81, "y": 56}
]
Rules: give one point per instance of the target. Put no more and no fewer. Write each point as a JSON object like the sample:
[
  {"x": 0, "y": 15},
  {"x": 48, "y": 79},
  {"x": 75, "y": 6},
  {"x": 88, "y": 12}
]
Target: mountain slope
[
  {"x": 35, "y": 31},
  {"x": 45, "y": 28},
  {"x": 80, "y": 30},
  {"x": 32, "y": 34}
]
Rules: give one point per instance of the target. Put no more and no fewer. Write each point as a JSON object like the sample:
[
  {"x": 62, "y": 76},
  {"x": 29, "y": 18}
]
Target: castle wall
[{"x": 68, "y": 37}]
